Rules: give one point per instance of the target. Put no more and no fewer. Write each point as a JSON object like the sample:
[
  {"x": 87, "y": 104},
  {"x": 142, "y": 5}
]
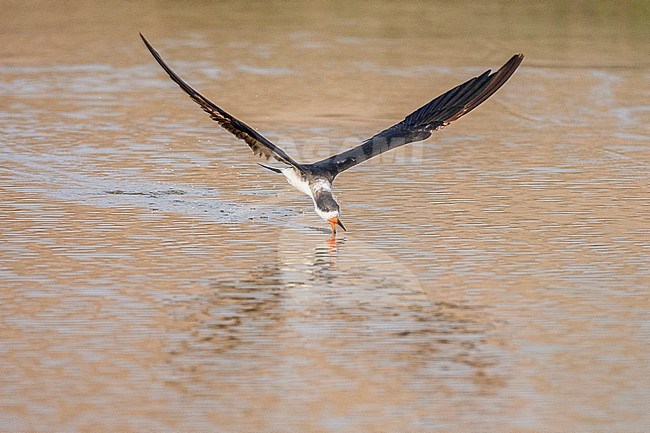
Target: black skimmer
[{"x": 316, "y": 179}]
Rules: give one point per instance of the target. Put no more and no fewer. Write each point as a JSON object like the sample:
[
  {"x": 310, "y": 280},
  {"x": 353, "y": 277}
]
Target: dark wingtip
[
  {"x": 515, "y": 60},
  {"x": 146, "y": 42}
]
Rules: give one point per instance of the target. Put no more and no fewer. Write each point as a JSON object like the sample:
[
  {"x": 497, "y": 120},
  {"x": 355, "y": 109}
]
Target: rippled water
[{"x": 493, "y": 278}]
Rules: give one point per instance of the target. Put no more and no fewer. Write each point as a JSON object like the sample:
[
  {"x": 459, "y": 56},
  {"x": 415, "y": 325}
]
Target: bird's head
[
  {"x": 332, "y": 216},
  {"x": 335, "y": 221}
]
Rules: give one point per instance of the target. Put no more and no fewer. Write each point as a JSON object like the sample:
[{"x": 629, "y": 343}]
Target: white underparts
[
  {"x": 326, "y": 215},
  {"x": 296, "y": 180}
]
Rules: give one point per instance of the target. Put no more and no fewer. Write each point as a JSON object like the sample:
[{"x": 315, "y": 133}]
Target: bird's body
[
  {"x": 299, "y": 181},
  {"x": 315, "y": 180},
  {"x": 318, "y": 186}
]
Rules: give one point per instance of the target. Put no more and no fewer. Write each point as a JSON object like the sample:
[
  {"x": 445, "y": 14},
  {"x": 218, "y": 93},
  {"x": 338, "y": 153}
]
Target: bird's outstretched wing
[
  {"x": 420, "y": 124},
  {"x": 258, "y": 144}
]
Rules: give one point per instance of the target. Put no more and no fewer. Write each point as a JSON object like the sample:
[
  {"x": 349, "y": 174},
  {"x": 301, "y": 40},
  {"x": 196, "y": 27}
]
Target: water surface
[{"x": 494, "y": 277}]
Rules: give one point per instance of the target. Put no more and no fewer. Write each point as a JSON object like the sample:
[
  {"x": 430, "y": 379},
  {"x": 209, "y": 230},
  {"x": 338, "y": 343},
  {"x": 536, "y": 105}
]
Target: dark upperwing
[
  {"x": 420, "y": 124},
  {"x": 258, "y": 144}
]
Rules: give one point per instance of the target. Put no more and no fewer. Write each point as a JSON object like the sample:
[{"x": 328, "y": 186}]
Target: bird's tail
[{"x": 268, "y": 167}]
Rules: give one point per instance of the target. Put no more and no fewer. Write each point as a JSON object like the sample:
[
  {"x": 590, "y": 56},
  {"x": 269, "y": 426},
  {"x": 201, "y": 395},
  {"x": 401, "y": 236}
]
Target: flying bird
[{"x": 316, "y": 179}]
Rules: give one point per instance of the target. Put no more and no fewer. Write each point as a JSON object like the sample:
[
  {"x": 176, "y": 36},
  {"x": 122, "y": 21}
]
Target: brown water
[{"x": 494, "y": 278}]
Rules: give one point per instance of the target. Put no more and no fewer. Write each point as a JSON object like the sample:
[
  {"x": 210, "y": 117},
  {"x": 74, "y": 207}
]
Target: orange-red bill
[{"x": 334, "y": 222}]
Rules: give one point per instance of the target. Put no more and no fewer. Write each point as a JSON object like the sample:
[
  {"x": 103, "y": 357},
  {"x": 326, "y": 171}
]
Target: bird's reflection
[
  {"x": 325, "y": 256},
  {"x": 347, "y": 302}
]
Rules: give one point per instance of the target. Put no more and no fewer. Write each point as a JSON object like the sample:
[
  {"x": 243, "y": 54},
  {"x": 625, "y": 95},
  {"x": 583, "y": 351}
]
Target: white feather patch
[
  {"x": 295, "y": 180},
  {"x": 326, "y": 215}
]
